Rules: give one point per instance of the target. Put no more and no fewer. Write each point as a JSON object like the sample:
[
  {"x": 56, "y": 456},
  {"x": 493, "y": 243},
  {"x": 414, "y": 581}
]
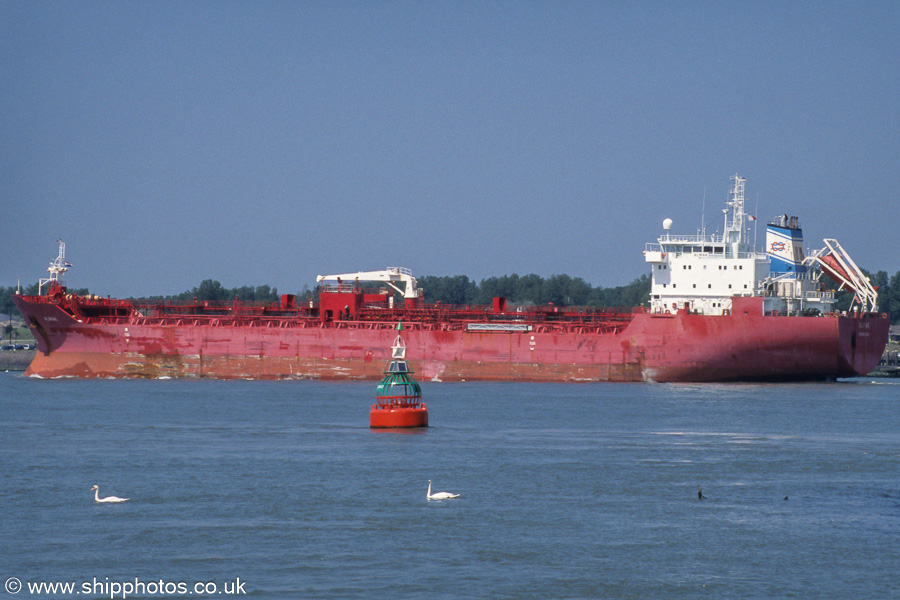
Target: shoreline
[{"x": 16, "y": 360}]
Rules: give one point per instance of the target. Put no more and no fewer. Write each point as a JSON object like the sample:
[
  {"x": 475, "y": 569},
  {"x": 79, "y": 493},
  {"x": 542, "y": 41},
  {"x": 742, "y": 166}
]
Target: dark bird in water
[
  {"x": 700, "y": 495},
  {"x": 785, "y": 497}
]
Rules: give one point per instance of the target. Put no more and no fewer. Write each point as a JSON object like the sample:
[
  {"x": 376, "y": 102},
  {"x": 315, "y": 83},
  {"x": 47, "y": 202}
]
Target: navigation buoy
[{"x": 398, "y": 403}]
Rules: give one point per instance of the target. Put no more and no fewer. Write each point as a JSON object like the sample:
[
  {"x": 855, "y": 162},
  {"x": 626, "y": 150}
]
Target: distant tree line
[
  {"x": 533, "y": 290},
  {"x": 524, "y": 290},
  {"x": 209, "y": 289},
  {"x": 888, "y": 293},
  {"x": 561, "y": 290}
]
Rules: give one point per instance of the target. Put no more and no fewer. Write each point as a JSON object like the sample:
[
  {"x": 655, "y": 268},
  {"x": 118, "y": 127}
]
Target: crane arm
[
  {"x": 836, "y": 262},
  {"x": 391, "y": 276}
]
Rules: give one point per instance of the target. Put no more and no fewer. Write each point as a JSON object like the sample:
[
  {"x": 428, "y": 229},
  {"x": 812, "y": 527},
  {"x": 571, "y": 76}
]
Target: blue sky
[{"x": 268, "y": 142}]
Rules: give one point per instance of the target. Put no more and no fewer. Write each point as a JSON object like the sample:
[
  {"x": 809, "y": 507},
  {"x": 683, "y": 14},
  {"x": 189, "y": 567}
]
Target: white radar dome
[{"x": 667, "y": 224}]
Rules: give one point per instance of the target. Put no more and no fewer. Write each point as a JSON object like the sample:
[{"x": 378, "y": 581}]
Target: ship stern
[{"x": 862, "y": 340}]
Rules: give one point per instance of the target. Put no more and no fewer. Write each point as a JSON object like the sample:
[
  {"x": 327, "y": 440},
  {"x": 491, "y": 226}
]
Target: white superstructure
[{"x": 702, "y": 273}]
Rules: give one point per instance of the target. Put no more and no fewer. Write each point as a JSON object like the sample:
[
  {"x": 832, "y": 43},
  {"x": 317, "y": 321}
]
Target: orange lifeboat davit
[{"x": 398, "y": 403}]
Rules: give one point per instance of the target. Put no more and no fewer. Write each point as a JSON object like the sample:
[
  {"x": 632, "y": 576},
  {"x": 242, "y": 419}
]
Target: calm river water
[{"x": 281, "y": 490}]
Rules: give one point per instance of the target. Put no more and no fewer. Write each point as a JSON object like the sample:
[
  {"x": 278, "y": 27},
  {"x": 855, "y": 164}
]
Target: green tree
[
  {"x": 455, "y": 289},
  {"x": 530, "y": 290},
  {"x": 498, "y": 287},
  {"x": 579, "y": 292},
  {"x": 555, "y": 290},
  {"x": 880, "y": 281},
  {"x": 893, "y": 293},
  {"x": 6, "y": 304},
  {"x": 210, "y": 289},
  {"x": 561, "y": 290}
]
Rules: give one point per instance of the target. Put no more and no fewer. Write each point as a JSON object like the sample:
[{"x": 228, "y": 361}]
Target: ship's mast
[
  {"x": 56, "y": 268},
  {"x": 734, "y": 231}
]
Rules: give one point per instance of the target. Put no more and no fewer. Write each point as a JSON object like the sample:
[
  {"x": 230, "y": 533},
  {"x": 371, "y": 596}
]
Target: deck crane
[{"x": 390, "y": 276}]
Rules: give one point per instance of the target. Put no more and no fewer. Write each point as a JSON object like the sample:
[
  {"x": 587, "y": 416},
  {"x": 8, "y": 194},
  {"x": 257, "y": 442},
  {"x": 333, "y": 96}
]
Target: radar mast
[
  {"x": 56, "y": 268},
  {"x": 734, "y": 231}
]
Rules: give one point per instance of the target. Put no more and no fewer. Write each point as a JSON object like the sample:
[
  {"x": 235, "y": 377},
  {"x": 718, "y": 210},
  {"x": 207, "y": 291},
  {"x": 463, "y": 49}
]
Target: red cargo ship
[{"x": 719, "y": 311}]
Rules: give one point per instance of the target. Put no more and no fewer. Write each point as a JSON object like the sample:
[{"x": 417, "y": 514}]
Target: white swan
[
  {"x": 97, "y": 497},
  {"x": 439, "y": 495}
]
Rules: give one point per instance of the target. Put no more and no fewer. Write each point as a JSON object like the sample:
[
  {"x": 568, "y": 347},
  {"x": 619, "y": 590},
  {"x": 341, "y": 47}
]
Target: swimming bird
[
  {"x": 97, "y": 497},
  {"x": 439, "y": 495}
]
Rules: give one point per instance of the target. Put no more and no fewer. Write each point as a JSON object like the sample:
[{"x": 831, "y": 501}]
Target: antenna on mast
[
  {"x": 703, "y": 215},
  {"x": 755, "y": 221}
]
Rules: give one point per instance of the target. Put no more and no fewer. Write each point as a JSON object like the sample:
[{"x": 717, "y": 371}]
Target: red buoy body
[{"x": 390, "y": 417}]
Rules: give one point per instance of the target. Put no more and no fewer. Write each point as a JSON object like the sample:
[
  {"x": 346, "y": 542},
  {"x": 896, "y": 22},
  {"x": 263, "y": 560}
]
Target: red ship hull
[{"x": 745, "y": 345}]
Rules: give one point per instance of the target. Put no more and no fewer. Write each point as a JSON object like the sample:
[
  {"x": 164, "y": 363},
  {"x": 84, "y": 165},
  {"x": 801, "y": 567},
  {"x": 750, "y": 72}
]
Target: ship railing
[
  {"x": 827, "y": 295},
  {"x": 342, "y": 288},
  {"x": 398, "y": 401},
  {"x": 691, "y": 239},
  {"x": 88, "y": 299},
  {"x": 792, "y": 275},
  {"x": 700, "y": 251},
  {"x": 401, "y": 270},
  {"x": 216, "y": 307},
  {"x": 82, "y": 308},
  {"x": 531, "y": 315},
  {"x": 208, "y": 320},
  {"x": 42, "y": 300}
]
